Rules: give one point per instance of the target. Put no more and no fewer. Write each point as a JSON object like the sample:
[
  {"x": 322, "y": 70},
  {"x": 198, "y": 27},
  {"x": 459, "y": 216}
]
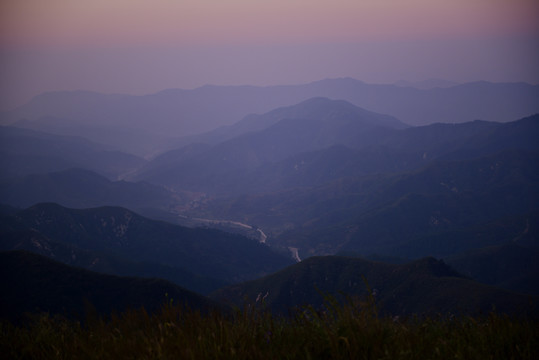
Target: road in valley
[
  {"x": 228, "y": 223},
  {"x": 295, "y": 253}
]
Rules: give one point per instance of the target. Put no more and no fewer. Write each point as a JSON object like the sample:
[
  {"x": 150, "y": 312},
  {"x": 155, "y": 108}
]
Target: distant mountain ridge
[
  {"x": 316, "y": 108},
  {"x": 297, "y": 151},
  {"x": 79, "y": 188},
  {"x": 427, "y": 84},
  {"x": 310, "y": 125},
  {"x": 176, "y": 113},
  {"x": 25, "y": 152}
]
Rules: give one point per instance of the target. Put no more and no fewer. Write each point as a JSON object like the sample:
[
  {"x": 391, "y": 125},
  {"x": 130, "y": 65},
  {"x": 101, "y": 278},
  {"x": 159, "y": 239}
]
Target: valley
[
  {"x": 252, "y": 180},
  {"x": 313, "y": 187},
  {"x": 230, "y": 226}
]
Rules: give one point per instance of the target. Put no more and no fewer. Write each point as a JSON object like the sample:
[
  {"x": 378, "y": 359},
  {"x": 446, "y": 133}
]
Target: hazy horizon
[{"x": 140, "y": 47}]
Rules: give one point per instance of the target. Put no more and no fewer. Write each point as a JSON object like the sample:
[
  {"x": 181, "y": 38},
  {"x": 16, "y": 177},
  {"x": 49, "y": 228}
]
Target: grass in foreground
[{"x": 340, "y": 332}]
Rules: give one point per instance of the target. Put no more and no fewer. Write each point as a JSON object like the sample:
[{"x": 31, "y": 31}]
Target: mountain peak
[{"x": 324, "y": 108}]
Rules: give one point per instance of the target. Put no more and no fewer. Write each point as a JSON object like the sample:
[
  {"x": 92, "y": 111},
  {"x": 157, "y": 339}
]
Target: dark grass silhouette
[{"x": 351, "y": 331}]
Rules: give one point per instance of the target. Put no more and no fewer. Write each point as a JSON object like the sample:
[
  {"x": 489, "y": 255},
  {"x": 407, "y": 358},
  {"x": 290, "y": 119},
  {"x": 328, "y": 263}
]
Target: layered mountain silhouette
[
  {"x": 25, "y": 152},
  {"x": 435, "y": 211},
  {"x": 139, "y": 124},
  {"x": 311, "y": 125},
  {"x": 316, "y": 108},
  {"x": 332, "y": 167},
  {"x": 79, "y": 188},
  {"x": 310, "y": 151}
]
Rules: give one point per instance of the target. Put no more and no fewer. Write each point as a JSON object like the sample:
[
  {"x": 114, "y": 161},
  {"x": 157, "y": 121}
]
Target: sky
[{"x": 143, "y": 46}]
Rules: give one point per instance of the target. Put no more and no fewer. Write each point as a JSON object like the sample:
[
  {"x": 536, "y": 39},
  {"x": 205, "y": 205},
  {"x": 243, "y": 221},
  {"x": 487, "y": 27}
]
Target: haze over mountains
[
  {"x": 80, "y": 188},
  {"x": 314, "y": 124},
  {"x": 25, "y": 152},
  {"x": 285, "y": 173},
  {"x": 141, "y": 124}
]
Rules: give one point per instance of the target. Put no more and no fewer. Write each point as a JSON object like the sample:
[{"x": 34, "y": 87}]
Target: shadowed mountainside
[
  {"x": 17, "y": 236},
  {"x": 32, "y": 283},
  {"x": 425, "y": 286},
  {"x": 508, "y": 266},
  {"x": 120, "y": 233}
]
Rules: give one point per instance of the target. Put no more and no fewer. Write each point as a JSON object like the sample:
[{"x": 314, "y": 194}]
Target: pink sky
[{"x": 142, "y": 46}]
